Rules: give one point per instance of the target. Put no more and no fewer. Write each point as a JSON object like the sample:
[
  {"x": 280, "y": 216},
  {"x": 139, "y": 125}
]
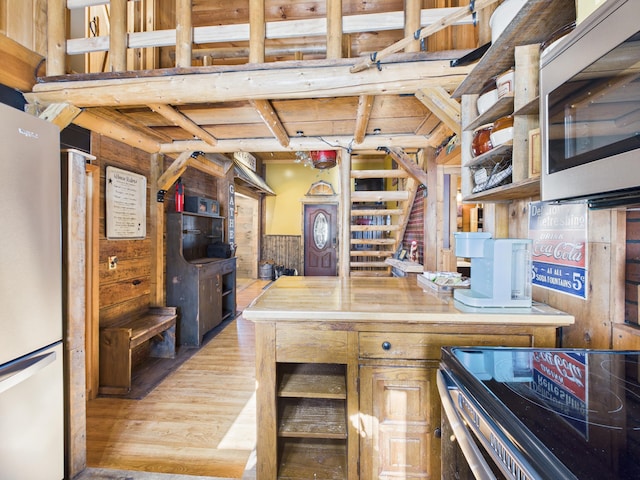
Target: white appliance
[
  {"x": 500, "y": 270},
  {"x": 31, "y": 363}
]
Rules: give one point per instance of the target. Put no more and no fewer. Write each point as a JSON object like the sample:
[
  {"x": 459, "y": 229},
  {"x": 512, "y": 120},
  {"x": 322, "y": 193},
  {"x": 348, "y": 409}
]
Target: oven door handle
[{"x": 472, "y": 454}]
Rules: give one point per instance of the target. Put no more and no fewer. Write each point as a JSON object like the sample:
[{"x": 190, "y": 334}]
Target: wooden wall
[
  {"x": 247, "y": 236},
  {"x": 25, "y": 21},
  {"x": 285, "y": 250},
  {"x": 632, "y": 267},
  {"x": 126, "y": 289},
  {"x": 604, "y": 306}
]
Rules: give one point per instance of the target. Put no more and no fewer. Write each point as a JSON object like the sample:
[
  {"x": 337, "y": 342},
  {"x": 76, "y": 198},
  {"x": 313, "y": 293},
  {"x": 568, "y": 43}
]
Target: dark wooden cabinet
[{"x": 203, "y": 288}]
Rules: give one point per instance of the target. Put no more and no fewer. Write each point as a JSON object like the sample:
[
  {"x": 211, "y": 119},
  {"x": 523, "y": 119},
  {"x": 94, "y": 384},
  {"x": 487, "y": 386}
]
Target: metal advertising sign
[{"x": 559, "y": 253}]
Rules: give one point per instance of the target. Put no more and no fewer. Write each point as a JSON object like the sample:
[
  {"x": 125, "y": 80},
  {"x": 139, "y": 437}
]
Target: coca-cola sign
[{"x": 559, "y": 252}]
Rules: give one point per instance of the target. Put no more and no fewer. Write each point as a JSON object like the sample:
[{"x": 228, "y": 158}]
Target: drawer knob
[
  {"x": 386, "y": 346},
  {"x": 437, "y": 433}
]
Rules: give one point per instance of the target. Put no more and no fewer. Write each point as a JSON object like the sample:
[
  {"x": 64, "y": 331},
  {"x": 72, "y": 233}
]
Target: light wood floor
[{"x": 199, "y": 421}]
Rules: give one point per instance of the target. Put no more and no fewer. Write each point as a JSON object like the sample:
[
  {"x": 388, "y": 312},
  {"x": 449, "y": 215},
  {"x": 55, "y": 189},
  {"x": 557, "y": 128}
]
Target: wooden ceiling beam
[
  {"x": 182, "y": 121},
  {"x": 439, "y": 101},
  {"x": 365, "y": 105},
  {"x": 408, "y": 164},
  {"x": 370, "y": 142},
  {"x": 60, "y": 114},
  {"x": 20, "y": 66},
  {"x": 174, "y": 171},
  {"x": 270, "y": 118},
  {"x": 331, "y": 79},
  {"x": 213, "y": 167},
  {"x": 118, "y": 131}
]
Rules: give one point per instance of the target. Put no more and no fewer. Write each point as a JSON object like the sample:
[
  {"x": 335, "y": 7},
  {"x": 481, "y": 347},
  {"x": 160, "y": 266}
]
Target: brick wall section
[{"x": 415, "y": 226}]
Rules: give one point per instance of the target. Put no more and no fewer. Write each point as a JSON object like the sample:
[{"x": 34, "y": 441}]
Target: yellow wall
[{"x": 290, "y": 182}]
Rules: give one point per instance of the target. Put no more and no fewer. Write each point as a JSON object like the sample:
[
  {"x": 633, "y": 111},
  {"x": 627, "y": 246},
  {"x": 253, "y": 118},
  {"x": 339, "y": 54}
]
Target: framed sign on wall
[{"x": 126, "y": 200}]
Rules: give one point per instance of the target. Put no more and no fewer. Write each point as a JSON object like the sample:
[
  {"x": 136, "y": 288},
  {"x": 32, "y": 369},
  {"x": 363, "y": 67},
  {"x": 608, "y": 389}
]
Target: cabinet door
[
  {"x": 210, "y": 311},
  {"x": 399, "y": 409}
]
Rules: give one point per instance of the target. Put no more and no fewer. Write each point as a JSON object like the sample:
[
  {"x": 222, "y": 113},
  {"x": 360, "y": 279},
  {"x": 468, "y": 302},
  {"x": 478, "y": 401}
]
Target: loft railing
[{"x": 127, "y": 31}]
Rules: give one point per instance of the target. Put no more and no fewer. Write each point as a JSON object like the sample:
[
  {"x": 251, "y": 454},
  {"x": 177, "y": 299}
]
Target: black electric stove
[{"x": 548, "y": 413}]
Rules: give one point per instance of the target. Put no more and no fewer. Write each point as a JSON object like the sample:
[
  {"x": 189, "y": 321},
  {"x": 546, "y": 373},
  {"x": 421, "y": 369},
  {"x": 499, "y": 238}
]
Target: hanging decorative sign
[
  {"x": 126, "y": 199},
  {"x": 231, "y": 215},
  {"x": 559, "y": 253}
]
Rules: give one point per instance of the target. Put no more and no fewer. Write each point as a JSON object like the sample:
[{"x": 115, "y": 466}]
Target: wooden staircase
[{"x": 378, "y": 221}]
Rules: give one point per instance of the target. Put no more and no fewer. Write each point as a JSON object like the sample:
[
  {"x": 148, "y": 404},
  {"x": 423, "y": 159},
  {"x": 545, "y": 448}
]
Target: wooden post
[
  {"x": 156, "y": 235},
  {"x": 345, "y": 214},
  {"x": 57, "y": 37},
  {"x": 74, "y": 256},
  {"x": 412, "y": 23},
  {"x": 92, "y": 314},
  {"x": 334, "y": 28},
  {"x": 118, "y": 36},
  {"x": 432, "y": 216},
  {"x": 257, "y": 31},
  {"x": 184, "y": 33}
]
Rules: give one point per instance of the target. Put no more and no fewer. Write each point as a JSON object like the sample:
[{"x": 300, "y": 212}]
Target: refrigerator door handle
[{"x": 18, "y": 372}]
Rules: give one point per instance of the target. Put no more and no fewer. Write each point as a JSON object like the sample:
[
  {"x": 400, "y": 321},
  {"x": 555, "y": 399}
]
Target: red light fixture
[{"x": 323, "y": 158}]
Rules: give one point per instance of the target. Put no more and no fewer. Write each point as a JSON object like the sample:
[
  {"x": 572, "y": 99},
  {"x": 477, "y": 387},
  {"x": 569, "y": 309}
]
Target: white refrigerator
[{"x": 31, "y": 363}]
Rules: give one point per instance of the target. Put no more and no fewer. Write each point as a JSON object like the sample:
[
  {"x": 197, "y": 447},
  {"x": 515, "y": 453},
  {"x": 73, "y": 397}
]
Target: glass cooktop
[{"x": 577, "y": 409}]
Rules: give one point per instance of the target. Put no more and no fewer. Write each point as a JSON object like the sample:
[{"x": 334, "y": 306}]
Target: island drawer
[
  {"x": 426, "y": 346},
  {"x": 310, "y": 343}
]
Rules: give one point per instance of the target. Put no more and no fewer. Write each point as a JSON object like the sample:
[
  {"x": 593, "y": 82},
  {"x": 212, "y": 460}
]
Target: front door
[{"x": 320, "y": 240}]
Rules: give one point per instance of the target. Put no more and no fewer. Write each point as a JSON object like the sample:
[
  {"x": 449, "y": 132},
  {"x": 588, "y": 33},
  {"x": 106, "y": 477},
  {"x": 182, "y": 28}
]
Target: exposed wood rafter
[
  {"x": 365, "y": 105},
  {"x": 439, "y": 101},
  {"x": 412, "y": 168},
  {"x": 183, "y": 121},
  {"x": 60, "y": 114},
  {"x": 97, "y": 123},
  {"x": 270, "y": 118}
]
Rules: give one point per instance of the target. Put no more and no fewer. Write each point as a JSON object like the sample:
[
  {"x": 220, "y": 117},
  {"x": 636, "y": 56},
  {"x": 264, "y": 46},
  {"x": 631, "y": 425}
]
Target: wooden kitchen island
[{"x": 346, "y": 372}]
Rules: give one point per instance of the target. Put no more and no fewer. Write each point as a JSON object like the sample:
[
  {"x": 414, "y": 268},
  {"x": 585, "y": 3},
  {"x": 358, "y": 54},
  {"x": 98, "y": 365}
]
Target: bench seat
[{"x": 117, "y": 342}]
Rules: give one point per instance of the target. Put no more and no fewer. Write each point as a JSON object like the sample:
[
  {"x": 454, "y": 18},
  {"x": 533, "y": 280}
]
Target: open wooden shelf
[
  {"x": 536, "y": 20},
  {"x": 451, "y": 158},
  {"x": 495, "y": 155},
  {"x": 529, "y": 187},
  {"x": 311, "y": 380},
  {"x": 312, "y": 418},
  {"x": 502, "y": 108},
  {"x": 312, "y": 459}
]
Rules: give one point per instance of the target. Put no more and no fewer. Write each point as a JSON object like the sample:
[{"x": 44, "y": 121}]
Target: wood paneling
[
  {"x": 632, "y": 261},
  {"x": 283, "y": 250}
]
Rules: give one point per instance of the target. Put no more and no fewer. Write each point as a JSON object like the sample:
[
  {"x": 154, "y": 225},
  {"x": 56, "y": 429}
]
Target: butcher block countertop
[{"x": 382, "y": 299}]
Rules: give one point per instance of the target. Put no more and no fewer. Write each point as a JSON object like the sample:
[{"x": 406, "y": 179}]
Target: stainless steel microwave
[{"x": 590, "y": 110}]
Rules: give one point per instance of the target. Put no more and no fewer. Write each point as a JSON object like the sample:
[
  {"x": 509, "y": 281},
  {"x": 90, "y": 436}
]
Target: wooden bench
[{"x": 117, "y": 342}]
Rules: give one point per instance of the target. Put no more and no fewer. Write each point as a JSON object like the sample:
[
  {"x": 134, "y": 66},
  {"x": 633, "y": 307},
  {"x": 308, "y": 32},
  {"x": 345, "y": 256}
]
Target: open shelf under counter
[
  {"x": 312, "y": 380},
  {"x": 312, "y": 418},
  {"x": 529, "y": 187},
  {"x": 312, "y": 459}
]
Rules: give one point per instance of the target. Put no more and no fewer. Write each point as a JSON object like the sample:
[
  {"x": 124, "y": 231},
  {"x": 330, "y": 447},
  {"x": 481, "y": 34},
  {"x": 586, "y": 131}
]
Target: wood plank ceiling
[{"x": 296, "y": 99}]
